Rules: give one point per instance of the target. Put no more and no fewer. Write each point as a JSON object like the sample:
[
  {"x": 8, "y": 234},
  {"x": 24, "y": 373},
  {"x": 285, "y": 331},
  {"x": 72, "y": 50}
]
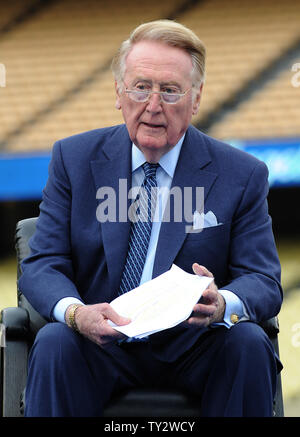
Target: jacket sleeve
[
  {"x": 254, "y": 266},
  {"x": 48, "y": 272}
]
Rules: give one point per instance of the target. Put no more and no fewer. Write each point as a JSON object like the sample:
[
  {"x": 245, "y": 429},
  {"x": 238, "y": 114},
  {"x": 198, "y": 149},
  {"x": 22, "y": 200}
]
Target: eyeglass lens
[{"x": 143, "y": 96}]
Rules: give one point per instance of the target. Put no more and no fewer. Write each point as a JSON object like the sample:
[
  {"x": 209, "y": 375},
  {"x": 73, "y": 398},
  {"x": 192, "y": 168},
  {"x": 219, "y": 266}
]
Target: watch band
[{"x": 70, "y": 320}]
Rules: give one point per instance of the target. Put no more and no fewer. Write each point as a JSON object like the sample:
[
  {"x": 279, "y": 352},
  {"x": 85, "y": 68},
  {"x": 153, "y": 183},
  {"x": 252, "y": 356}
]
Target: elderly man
[{"x": 79, "y": 264}]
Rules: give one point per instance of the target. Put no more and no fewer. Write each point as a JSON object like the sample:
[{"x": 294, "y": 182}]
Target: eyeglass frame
[{"x": 129, "y": 92}]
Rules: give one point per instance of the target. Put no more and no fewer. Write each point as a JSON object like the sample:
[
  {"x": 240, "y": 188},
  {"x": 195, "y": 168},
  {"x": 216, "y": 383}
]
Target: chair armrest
[
  {"x": 16, "y": 323},
  {"x": 24, "y": 231},
  {"x": 271, "y": 327}
]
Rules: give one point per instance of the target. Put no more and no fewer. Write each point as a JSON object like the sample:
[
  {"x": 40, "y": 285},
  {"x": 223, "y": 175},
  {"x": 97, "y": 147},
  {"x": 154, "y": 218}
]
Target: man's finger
[
  {"x": 209, "y": 294},
  {"x": 201, "y": 270},
  {"x": 197, "y": 321},
  {"x": 203, "y": 310},
  {"x": 109, "y": 313}
]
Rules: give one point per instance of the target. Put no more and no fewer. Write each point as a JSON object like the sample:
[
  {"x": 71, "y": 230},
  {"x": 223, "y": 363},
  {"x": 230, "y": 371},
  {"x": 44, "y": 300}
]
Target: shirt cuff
[
  {"x": 61, "y": 306},
  {"x": 235, "y": 310}
]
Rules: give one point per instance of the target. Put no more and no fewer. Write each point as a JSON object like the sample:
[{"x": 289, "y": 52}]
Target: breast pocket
[
  {"x": 210, "y": 248},
  {"x": 210, "y": 232}
]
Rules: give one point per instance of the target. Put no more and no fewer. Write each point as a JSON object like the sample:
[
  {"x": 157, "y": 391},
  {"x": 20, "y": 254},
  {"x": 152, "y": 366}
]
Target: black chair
[{"x": 21, "y": 324}]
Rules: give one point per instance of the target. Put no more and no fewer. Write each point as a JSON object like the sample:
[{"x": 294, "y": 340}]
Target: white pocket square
[{"x": 201, "y": 220}]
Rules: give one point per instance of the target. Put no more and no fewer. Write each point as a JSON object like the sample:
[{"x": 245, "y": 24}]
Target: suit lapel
[
  {"x": 190, "y": 172},
  {"x": 114, "y": 166}
]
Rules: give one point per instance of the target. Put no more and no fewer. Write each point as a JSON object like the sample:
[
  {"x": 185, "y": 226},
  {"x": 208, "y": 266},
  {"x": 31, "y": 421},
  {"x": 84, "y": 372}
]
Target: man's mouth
[{"x": 153, "y": 125}]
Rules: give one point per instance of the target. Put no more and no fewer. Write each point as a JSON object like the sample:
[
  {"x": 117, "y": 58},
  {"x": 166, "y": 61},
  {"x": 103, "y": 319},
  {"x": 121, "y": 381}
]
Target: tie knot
[{"x": 150, "y": 169}]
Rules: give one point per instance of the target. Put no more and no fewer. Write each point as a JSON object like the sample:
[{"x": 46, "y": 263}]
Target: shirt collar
[{"x": 168, "y": 161}]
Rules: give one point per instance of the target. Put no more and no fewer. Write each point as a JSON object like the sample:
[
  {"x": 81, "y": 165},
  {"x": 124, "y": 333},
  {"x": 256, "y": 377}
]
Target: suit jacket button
[{"x": 234, "y": 318}]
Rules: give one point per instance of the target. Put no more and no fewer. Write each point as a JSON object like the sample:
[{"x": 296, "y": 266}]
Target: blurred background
[{"x": 55, "y": 81}]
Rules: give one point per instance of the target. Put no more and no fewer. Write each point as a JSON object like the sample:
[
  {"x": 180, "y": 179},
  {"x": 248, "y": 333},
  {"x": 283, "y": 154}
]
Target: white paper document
[{"x": 161, "y": 303}]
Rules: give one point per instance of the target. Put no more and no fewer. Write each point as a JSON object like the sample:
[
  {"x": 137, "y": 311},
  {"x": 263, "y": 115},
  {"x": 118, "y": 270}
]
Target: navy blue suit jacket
[{"x": 73, "y": 254}]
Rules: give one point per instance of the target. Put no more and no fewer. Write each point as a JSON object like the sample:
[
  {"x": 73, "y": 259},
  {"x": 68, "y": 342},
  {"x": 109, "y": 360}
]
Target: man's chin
[
  {"x": 151, "y": 141},
  {"x": 153, "y": 148}
]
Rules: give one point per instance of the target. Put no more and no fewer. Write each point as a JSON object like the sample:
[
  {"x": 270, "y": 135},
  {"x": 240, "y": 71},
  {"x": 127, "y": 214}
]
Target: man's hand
[
  {"x": 92, "y": 322},
  {"x": 211, "y": 307}
]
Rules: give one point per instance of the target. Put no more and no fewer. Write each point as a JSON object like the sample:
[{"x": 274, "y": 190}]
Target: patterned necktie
[{"x": 140, "y": 230}]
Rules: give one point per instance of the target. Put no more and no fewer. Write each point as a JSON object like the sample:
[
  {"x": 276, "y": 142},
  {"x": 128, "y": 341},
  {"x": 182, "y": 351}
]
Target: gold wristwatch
[{"x": 71, "y": 316}]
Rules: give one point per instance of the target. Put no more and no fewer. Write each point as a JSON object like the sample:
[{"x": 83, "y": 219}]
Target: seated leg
[
  {"x": 233, "y": 371},
  {"x": 70, "y": 376}
]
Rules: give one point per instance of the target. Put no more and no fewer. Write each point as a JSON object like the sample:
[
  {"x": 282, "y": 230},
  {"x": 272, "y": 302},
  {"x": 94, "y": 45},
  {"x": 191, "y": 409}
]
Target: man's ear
[
  {"x": 118, "y": 102},
  {"x": 197, "y": 99}
]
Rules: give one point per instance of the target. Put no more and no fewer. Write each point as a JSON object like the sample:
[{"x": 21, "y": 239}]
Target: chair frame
[{"x": 21, "y": 325}]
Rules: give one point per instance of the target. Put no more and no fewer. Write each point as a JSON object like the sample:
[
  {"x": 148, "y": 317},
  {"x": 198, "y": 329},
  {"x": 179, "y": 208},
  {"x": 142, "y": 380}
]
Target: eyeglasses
[{"x": 144, "y": 96}]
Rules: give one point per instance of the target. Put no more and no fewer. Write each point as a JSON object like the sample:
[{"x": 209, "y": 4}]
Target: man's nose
[{"x": 154, "y": 103}]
